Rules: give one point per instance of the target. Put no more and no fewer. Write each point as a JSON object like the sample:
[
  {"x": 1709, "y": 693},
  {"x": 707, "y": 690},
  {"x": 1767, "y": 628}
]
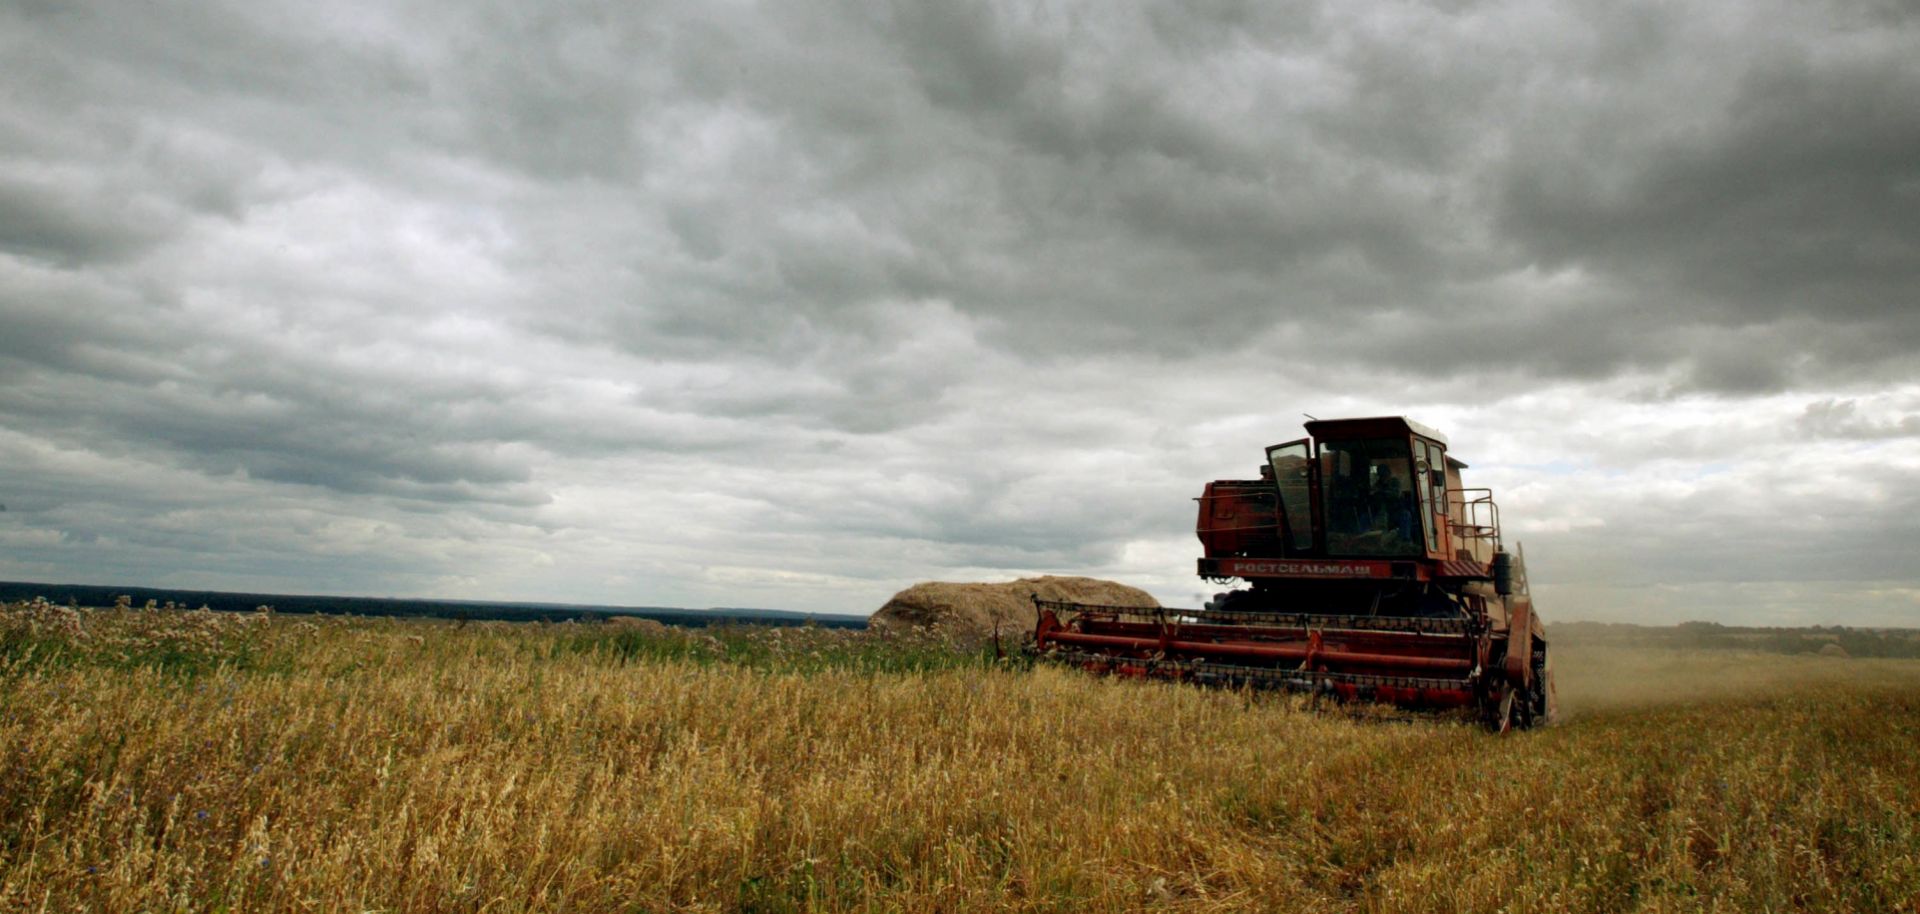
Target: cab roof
[{"x": 1372, "y": 427}]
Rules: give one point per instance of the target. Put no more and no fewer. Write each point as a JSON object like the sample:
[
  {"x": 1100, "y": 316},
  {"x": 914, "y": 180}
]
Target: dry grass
[{"x": 357, "y": 766}]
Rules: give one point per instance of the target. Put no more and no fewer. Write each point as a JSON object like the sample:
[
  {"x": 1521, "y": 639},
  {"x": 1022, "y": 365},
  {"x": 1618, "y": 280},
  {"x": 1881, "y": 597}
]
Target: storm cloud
[{"x": 795, "y": 304}]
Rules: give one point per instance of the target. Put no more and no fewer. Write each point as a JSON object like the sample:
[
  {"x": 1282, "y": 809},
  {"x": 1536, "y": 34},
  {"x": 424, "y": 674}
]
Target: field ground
[{"x": 217, "y": 762}]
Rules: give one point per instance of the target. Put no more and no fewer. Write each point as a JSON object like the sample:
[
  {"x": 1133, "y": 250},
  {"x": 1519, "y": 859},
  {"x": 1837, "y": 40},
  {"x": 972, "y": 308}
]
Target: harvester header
[{"x": 1370, "y": 571}]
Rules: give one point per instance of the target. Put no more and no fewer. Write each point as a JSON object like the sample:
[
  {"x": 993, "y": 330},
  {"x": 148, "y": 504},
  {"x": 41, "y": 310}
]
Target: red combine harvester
[{"x": 1373, "y": 573}]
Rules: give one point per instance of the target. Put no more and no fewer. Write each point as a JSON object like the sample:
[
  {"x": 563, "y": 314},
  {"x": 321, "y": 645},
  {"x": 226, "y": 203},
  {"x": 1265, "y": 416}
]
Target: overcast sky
[{"x": 793, "y": 305}]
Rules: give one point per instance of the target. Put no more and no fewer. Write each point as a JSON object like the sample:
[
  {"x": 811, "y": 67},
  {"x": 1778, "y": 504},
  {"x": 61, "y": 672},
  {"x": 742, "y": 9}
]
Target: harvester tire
[
  {"x": 1508, "y": 708},
  {"x": 1546, "y": 701}
]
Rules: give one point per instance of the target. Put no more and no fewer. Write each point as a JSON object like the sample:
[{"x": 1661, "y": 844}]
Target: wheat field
[{"x": 176, "y": 761}]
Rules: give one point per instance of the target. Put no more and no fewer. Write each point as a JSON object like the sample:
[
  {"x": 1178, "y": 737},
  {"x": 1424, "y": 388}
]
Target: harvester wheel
[
  {"x": 1502, "y": 720},
  {"x": 1546, "y": 704},
  {"x": 1508, "y": 707}
]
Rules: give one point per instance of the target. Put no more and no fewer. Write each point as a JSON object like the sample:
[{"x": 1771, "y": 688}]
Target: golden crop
[{"x": 184, "y": 762}]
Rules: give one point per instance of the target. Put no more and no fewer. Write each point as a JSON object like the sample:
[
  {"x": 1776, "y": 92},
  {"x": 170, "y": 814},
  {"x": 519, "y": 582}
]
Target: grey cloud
[
  {"x": 46, "y": 223},
  {"x": 1834, "y": 418},
  {"x": 865, "y": 292},
  {"x": 339, "y": 448},
  {"x": 1168, "y": 219},
  {"x": 1794, "y": 195}
]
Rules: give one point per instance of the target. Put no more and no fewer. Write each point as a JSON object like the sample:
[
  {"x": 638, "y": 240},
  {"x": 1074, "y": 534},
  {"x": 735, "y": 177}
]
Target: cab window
[
  {"x": 1370, "y": 498},
  {"x": 1291, "y": 475}
]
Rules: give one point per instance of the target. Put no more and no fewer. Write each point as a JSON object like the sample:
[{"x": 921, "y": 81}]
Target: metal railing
[{"x": 1474, "y": 519}]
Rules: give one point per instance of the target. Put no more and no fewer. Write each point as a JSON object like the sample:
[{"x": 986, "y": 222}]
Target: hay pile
[
  {"x": 973, "y": 609},
  {"x": 641, "y": 624}
]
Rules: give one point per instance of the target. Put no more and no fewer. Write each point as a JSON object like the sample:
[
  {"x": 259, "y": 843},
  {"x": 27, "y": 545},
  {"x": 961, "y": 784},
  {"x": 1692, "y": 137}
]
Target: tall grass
[
  {"x": 425, "y": 767},
  {"x": 803, "y": 649},
  {"x": 41, "y": 635}
]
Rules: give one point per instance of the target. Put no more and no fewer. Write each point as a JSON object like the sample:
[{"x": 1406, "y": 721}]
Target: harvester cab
[{"x": 1371, "y": 572}]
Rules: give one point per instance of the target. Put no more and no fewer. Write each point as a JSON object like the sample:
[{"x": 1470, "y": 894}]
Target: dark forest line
[{"x": 97, "y": 595}]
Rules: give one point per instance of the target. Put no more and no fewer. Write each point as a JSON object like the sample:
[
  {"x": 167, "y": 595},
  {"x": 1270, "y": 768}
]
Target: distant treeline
[
  {"x": 1856, "y": 642},
  {"x": 223, "y": 601}
]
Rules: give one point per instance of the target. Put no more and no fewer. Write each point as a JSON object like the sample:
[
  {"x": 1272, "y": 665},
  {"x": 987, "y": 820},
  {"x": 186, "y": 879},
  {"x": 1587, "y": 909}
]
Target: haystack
[
  {"x": 973, "y": 609},
  {"x": 640, "y": 624},
  {"x": 1831, "y": 649}
]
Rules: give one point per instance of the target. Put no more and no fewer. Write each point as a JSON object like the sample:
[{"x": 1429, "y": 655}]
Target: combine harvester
[{"x": 1374, "y": 574}]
